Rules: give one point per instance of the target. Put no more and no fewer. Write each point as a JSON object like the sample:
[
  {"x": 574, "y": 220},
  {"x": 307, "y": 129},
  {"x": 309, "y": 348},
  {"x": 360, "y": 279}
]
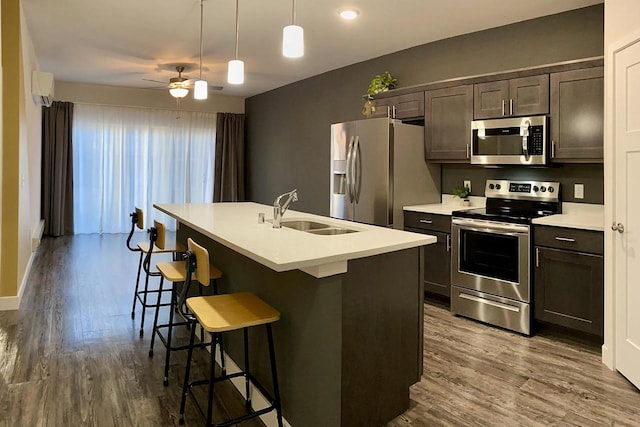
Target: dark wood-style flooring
[{"x": 71, "y": 356}]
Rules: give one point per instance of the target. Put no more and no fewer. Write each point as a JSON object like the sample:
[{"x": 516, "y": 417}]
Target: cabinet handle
[
  {"x": 468, "y": 156},
  {"x": 537, "y": 257},
  {"x": 448, "y": 242},
  {"x": 425, "y": 221},
  {"x": 511, "y": 107},
  {"x": 503, "y": 107},
  {"x": 393, "y": 112},
  {"x": 565, "y": 239},
  {"x": 553, "y": 149}
]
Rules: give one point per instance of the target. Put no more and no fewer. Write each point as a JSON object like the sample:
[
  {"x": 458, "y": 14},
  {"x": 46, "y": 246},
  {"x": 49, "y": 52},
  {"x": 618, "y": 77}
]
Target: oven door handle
[
  {"x": 491, "y": 227},
  {"x": 493, "y": 231},
  {"x": 489, "y": 302}
]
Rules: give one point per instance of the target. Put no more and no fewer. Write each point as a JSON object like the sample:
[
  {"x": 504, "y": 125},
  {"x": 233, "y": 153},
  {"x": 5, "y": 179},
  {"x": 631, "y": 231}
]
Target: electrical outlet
[
  {"x": 578, "y": 191},
  {"x": 467, "y": 184}
]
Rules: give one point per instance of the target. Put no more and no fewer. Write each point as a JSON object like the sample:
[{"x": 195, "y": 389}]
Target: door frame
[{"x": 608, "y": 347}]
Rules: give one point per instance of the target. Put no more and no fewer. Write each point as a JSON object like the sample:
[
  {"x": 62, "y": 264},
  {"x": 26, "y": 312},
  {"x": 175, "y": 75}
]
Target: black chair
[
  {"x": 217, "y": 314},
  {"x": 176, "y": 273},
  {"x": 146, "y": 249}
]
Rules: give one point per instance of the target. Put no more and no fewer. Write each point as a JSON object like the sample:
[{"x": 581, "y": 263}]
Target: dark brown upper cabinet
[
  {"x": 523, "y": 96},
  {"x": 447, "y": 123},
  {"x": 577, "y": 115},
  {"x": 402, "y": 107}
]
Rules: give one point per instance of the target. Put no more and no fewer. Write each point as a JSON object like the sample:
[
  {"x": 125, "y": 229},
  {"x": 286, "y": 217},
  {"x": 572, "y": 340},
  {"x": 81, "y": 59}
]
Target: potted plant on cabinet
[
  {"x": 463, "y": 194},
  {"x": 380, "y": 83}
]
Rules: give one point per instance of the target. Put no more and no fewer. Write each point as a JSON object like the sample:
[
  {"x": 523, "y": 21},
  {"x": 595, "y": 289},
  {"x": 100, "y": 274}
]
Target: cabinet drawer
[
  {"x": 426, "y": 221},
  {"x": 570, "y": 239}
]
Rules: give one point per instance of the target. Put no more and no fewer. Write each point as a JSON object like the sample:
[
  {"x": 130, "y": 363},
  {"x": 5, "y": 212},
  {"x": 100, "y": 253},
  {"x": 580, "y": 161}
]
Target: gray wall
[
  {"x": 590, "y": 175},
  {"x": 288, "y": 128}
]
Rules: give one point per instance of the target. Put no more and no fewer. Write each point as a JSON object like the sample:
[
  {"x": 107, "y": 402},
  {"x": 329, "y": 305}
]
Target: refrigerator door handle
[
  {"x": 358, "y": 166},
  {"x": 350, "y": 170}
]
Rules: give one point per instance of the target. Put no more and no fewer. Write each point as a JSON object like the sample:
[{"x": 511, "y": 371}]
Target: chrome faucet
[{"x": 280, "y": 209}]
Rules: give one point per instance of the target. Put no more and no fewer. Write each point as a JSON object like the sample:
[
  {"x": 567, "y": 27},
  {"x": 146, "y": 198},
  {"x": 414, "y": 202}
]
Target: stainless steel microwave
[{"x": 509, "y": 141}]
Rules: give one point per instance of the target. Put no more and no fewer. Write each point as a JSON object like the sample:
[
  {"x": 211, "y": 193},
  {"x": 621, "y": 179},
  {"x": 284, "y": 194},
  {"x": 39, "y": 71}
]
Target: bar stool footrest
[
  {"x": 162, "y": 338},
  {"x": 237, "y": 420}
]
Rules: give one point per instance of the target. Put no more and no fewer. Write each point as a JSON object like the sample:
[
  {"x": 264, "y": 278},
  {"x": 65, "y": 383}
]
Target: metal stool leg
[
  {"x": 144, "y": 305},
  {"x": 185, "y": 386},
  {"x": 274, "y": 373},
  {"x": 135, "y": 293},
  {"x": 167, "y": 357},
  {"x": 222, "y": 363},
  {"x": 212, "y": 378},
  {"x": 155, "y": 318},
  {"x": 246, "y": 368}
]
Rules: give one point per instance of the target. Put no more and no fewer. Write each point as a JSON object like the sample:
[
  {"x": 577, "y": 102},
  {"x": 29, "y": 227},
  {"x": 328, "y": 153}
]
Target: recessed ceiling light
[{"x": 349, "y": 14}]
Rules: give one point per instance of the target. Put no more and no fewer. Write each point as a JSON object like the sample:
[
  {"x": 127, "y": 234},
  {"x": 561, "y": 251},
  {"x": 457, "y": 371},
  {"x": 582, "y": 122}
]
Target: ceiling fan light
[
  {"x": 235, "y": 72},
  {"x": 200, "y": 90},
  {"x": 349, "y": 14},
  {"x": 179, "y": 92},
  {"x": 293, "y": 41}
]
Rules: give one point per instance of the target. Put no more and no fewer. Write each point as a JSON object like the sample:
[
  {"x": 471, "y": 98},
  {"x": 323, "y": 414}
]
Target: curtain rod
[{"x": 149, "y": 108}]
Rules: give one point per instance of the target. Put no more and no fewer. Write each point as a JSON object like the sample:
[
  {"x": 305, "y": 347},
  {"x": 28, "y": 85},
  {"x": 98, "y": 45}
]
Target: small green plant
[
  {"x": 380, "y": 83},
  {"x": 461, "y": 192}
]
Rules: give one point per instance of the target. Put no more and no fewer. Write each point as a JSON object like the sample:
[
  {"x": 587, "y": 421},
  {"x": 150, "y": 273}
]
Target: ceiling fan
[{"x": 179, "y": 86}]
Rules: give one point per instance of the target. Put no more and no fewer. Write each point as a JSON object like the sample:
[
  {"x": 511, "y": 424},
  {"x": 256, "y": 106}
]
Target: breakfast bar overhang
[{"x": 349, "y": 342}]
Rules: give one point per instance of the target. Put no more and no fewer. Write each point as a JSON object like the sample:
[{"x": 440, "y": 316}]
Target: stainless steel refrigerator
[{"x": 377, "y": 167}]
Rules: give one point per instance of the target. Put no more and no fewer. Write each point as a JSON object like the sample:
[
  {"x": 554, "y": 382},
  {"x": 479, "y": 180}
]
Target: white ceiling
[{"x": 120, "y": 42}]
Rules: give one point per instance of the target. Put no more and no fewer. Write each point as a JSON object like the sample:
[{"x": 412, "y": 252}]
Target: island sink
[
  {"x": 318, "y": 228},
  {"x": 331, "y": 231},
  {"x": 303, "y": 225}
]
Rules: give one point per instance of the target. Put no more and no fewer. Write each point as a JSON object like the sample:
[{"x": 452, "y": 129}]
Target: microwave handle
[{"x": 524, "y": 132}]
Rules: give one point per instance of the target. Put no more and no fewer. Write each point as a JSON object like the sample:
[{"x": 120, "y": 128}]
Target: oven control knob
[
  {"x": 535, "y": 189},
  {"x": 491, "y": 186},
  {"x": 551, "y": 190},
  {"x": 543, "y": 188},
  {"x": 498, "y": 186}
]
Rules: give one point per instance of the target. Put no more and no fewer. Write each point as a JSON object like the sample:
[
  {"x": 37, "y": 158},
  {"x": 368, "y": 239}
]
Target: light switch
[
  {"x": 467, "y": 184},
  {"x": 578, "y": 191}
]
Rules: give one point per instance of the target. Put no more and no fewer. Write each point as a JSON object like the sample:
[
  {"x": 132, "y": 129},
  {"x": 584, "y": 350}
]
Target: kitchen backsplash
[{"x": 590, "y": 175}]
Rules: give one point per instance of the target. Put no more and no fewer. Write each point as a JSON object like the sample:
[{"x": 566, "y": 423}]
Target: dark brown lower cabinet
[
  {"x": 437, "y": 265},
  {"x": 437, "y": 256},
  {"x": 569, "y": 289}
]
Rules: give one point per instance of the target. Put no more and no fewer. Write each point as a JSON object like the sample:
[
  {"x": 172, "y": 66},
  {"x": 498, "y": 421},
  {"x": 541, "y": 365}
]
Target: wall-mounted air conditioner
[{"x": 42, "y": 88}]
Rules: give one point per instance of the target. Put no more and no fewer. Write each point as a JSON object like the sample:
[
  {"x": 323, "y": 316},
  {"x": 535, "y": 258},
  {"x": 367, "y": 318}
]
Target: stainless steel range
[{"x": 491, "y": 252}]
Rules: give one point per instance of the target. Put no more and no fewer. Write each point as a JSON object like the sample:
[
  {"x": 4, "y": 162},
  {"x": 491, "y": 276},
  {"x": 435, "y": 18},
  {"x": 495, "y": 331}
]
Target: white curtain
[{"x": 125, "y": 157}]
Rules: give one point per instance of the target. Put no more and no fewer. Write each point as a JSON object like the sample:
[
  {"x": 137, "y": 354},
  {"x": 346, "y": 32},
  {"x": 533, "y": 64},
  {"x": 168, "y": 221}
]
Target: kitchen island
[{"x": 349, "y": 342}]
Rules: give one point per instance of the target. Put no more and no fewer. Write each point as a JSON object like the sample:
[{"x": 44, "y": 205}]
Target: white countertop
[
  {"x": 448, "y": 205},
  {"x": 235, "y": 225},
  {"x": 576, "y": 215}
]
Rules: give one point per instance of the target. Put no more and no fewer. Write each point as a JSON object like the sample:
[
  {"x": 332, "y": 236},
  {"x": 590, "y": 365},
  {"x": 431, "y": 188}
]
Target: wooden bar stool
[
  {"x": 145, "y": 248},
  {"x": 221, "y": 313},
  {"x": 175, "y": 272}
]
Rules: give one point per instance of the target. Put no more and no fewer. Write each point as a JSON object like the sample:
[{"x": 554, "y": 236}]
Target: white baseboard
[
  {"x": 36, "y": 237},
  {"x": 607, "y": 358},
  {"x": 9, "y": 303},
  {"x": 258, "y": 400},
  {"x": 13, "y": 303}
]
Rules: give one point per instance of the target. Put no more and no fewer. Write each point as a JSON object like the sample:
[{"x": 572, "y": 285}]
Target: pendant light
[
  {"x": 235, "y": 71},
  {"x": 293, "y": 37},
  {"x": 201, "y": 87}
]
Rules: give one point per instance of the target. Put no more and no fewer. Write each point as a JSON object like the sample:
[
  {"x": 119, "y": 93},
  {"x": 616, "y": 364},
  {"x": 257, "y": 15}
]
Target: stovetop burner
[{"x": 516, "y": 201}]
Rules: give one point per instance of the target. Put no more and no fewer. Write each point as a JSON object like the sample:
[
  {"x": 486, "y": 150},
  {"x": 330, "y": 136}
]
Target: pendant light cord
[
  {"x": 237, "y": 26},
  {"x": 293, "y": 13},
  {"x": 201, "y": 43}
]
